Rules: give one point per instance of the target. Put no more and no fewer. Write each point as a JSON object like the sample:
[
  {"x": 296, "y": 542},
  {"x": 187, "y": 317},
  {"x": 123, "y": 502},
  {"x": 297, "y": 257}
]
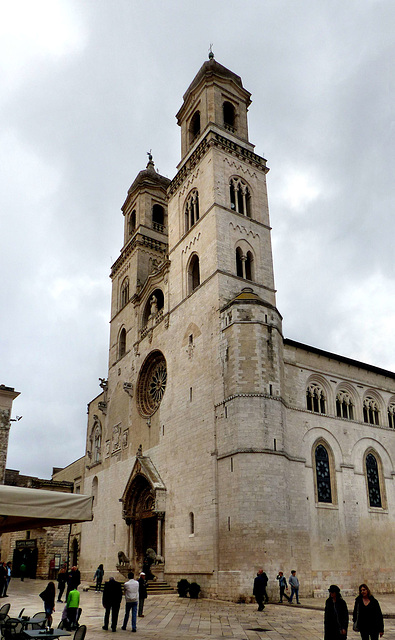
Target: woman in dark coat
[
  {"x": 336, "y": 615},
  {"x": 48, "y": 595},
  {"x": 367, "y": 615}
]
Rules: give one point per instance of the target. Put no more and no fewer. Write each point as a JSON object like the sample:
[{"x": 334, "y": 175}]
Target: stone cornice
[
  {"x": 215, "y": 139},
  {"x": 138, "y": 240}
]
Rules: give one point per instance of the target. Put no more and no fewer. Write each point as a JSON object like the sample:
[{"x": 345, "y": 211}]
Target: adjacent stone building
[
  {"x": 7, "y": 397},
  {"x": 216, "y": 441}
]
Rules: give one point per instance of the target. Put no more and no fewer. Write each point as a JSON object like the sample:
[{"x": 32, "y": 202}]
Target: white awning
[{"x": 22, "y": 508}]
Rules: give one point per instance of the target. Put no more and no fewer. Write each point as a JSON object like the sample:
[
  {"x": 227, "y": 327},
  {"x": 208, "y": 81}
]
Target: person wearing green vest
[{"x": 72, "y": 604}]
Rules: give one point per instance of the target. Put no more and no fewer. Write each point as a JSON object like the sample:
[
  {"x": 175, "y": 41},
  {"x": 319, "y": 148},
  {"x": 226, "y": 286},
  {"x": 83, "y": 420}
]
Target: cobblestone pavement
[{"x": 172, "y": 618}]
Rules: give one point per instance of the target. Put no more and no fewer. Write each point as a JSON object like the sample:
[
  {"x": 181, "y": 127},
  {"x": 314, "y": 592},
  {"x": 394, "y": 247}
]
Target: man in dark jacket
[
  {"x": 112, "y": 597},
  {"x": 142, "y": 593},
  {"x": 336, "y": 615},
  {"x": 74, "y": 579},
  {"x": 259, "y": 591}
]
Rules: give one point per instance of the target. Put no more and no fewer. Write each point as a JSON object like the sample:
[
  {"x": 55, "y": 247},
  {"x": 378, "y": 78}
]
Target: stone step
[{"x": 153, "y": 587}]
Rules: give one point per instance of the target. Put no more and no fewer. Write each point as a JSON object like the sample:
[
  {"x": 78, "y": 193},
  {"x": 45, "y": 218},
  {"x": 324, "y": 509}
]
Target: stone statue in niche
[
  {"x": 154, "y": 305},
  {"x": 116, "y": 438}
]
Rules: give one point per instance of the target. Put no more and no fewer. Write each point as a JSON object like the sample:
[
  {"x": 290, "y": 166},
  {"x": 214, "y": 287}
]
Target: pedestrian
[
  {"x": 99, "y": 577},
  {"x": 112, "y": 598},
  {"x": 259, "y": 590},
  {"x": 294, "y": 584},
  {"x": 72, "y": 604},
  {"x": 367, "y": 616},
  {"x": 73, "y": 579},
  {"x": 48, "y": 595},
  {"x": 62, "y": 579},
  {"x": 22, "y": 570},
  {"x": 8, "y": 579},
  {"x": 282, "y": 583},
  {"x": 142, "y": 593},
  {"x": 131, "y": 589},
  {"x": 3, "y": 579},
  {"x": 335, "y": 616}
]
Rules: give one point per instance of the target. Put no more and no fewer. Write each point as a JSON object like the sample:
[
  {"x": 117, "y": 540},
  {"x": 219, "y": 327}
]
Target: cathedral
[{"x": 214, "y": 440}]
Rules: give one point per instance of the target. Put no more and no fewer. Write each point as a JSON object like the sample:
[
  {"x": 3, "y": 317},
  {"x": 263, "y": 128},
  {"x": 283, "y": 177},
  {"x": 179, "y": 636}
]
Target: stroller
[{"x": 69, "y": 625}]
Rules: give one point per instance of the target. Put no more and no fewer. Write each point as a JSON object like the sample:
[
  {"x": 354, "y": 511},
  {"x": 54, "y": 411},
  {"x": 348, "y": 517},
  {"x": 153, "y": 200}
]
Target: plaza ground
[{"x": 169, "y": 617}]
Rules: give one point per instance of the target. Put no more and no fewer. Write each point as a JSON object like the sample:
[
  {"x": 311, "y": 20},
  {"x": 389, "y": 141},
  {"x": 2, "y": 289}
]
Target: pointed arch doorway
[{"x": 144, "y": 511}]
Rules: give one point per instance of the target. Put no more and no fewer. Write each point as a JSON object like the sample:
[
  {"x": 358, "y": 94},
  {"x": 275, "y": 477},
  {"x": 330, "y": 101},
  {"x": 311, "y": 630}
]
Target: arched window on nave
[
  {"x": 344, "y": 405},
  {"x": 323, "y": 474},
  {"x": 371, "y": 413},
  {"x": 391, "y": 415},
  {"x": 373, "y": 480},
  {"x": 315, "y": 398}
]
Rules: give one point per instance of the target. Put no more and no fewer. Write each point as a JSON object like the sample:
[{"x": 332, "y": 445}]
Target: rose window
[{"x": 151, "y": 384}]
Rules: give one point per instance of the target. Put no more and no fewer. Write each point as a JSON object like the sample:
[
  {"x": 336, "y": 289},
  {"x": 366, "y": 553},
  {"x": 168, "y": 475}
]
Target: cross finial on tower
[
  {"x": 150, "y": 164},
  {"x": 210, "y": 52}
]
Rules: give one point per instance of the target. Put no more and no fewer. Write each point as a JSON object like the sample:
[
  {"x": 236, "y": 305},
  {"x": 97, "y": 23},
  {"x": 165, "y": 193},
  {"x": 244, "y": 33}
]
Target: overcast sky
[{"x": 88, "y": 86}]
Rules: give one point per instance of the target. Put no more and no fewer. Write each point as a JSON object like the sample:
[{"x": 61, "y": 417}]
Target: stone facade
[
  {"x": 7, "y": 396},
  {"x": 214, "y": 440}
]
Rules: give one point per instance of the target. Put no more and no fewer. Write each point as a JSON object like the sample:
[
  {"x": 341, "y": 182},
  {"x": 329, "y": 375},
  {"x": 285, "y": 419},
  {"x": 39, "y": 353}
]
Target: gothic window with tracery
[
  {"x": 323, "y": 475},
  {"x": 191, "y": 209},
  {"x": 315, "y": 398},
  {"x": 373, "y": 480},
  {"x": 391, "y": 415},
  {"x": 124, "y": 297},
  {"x": 240, "y": 197},
  {"x": 371, "y": 413},
  {"x": 344, "y": 405}
]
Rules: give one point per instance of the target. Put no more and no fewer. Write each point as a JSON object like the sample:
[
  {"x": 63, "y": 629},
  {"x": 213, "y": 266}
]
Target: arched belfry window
[
  {"x": 244, "y": 264},
  {"x": 344, "y": 405},
  {"x": 194, "y": 127},
  {"x": 240, "y": 197},
  {"x": 373, "y": 481},
  {"x": 391, "y": 415},
  {"x": 132, "y": 223},
  {"x": 122, "y": 343},
  {"x": 371, "y": 413},
  {"x": 158, "y": 217},
  {"x": 191, "y": 209},
  {"x": 323, "y": 474},
  {"x": 229, "y": 114},
  {"x": 315, "y": 398},
  {"x": 124, "y": 293},
  {"x": 193, "y": 273}
]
